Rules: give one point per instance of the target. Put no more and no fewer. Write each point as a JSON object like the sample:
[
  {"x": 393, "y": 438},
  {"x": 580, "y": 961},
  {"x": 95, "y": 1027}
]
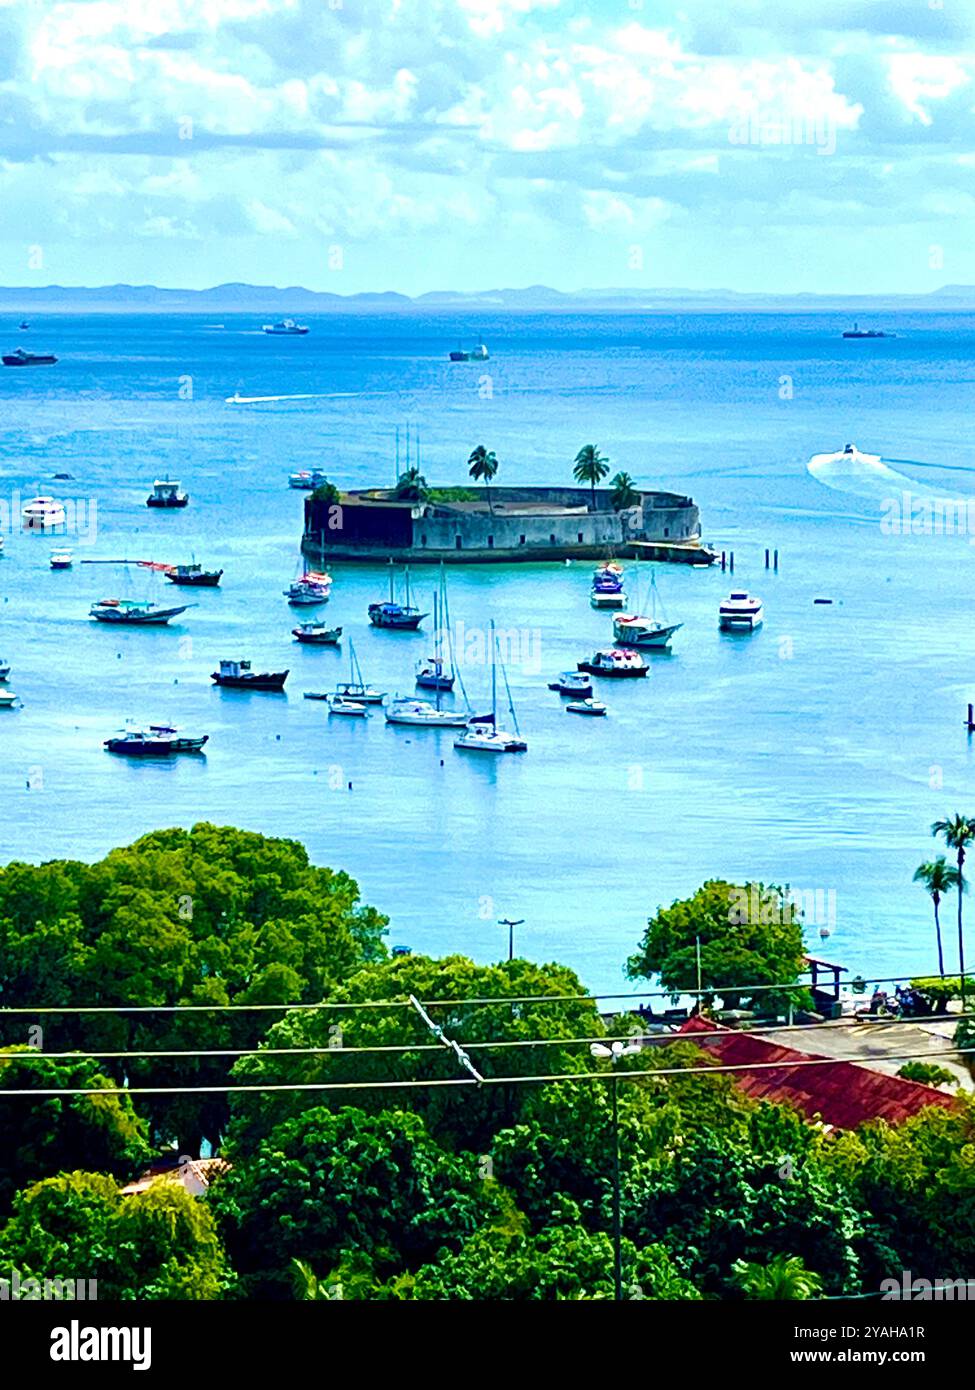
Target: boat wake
[
  {"x": 865, "y": 475},
  {"x": 238, "y": 399}
]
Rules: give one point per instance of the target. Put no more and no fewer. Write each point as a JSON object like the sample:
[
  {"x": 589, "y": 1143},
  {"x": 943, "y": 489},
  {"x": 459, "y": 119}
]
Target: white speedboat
[
  {"x": 740, "y": 612},
  {"x": 61, "y": 560},
  {"x": 307, "y": 479},
  {"x": 4, "y": 670},
  {"x": 421, "y": 714},
  {"x": 337, "y": 705},
  {"x": 43, "y": 514},
  {"x": 607, "y": 598},
  {"x": 616, "y": 662},
  {"x": 8, "y": 699},
  {"x": 574, "y": 683}
]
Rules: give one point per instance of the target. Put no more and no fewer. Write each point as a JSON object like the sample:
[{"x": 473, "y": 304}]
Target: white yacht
[
  {"x": 422, "y": 714},
  {"x": 287, "y": 328},
  {"x": 4, "y": 670},
  {"x": 740, "y": 612},
  {"x": 61, "y": 559},
  {"x": 482, "y": 734},
  {"x": 338, "y": 705},
  {"x": 43, "y": 514}
]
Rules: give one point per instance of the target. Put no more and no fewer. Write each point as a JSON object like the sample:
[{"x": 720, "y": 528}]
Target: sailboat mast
[
  {"x": 437, "y": 667},
  {"x": 494, "y": 676}
]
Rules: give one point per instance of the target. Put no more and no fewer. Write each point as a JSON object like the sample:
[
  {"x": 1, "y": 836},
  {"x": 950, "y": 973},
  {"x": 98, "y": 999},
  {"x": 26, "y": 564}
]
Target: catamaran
[
  {"x": 740, "y": 612},
  {"x": 482, "y": 734},
  {"x": 638, "y": 630}
]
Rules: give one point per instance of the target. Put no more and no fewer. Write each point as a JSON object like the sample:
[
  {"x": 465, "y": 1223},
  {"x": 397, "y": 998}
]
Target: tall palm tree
[
  {"x": 624, "y": 493},
  {"x": 590, "y": 467},
  {"x": 958, "y": 831},
  {"x": 938, "y": 878},
  {"x": 411, "y": 486},
  {"x": 483, "y": 464},
  {"x": 782, "y": 1277}
]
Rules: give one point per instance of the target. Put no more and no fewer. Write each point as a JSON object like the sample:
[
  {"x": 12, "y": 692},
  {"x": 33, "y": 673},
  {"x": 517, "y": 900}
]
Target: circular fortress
[{"x": 459, "y": 525}]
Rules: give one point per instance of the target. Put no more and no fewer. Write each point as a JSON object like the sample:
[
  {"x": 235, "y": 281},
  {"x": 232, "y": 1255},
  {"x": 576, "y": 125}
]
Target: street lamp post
[
  {"x": 507, "y": 922},
  {"x": 615, "y": 1053}
]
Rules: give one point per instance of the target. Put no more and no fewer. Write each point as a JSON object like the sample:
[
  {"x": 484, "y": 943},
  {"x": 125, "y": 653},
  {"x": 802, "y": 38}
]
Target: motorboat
[
  {"x": 615, "y": 662},
  {"x": 287, "y": 328},
  {"x": 317, "y": 634},
  {"x": 8, "y": 699},
  {"x": 4, "y": 670},
  {"x": 43, "y": 514},
  {"x": 239, "y": 675},
  {"x": 24, "y": 324},
  {"x": 740, "y": 612},
  {"x": 586, "y": 707},
  {"x": 131, "y": 611},
  {"x": 649, "y": 632},
  {"x": 166, "y": 493},
  {"x": 193, "y": 575},
  {"x": 23, "y": 358},
  {"x": 307, "y": 479},
  {"x": 857, "y": 332},
  {"x": 420, "y": 713},
  {"x": 161, "y": 740},
  {"x": 61, "y": 560},
  {"x": 337, "y": 705},
  {"x": 309, "y": 590},
  {"x": 355, "y": 688},
  {"x": 607, "y": 598},
  {"x": 575, "y": 683},
  {"x": 399, "y": 617}
]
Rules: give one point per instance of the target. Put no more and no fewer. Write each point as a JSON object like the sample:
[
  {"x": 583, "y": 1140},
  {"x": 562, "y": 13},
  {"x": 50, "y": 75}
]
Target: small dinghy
[{"x": 586, "y": 707}]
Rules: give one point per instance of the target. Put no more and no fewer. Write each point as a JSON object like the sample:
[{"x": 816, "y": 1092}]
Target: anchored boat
[
  {"x": 239, "y": 675},
  {"x": 574, "y": 683},
  {"x": 355, "y": 688},
  {"x": 43, "y": 514},
  {"x": 61, "y": 559},
  {"x": 482, "y": 734},
  {"x": 317, "y": 634},
  {"x": 287, "y": 328},
  {"x": 615, "y": 662},
  {"x": 398, "y": 617},
  {"x": 161, "y": 740},
  {"x": 740, "y": 612},
  {"x": 123, "y": 610},
  {"x": 166, "y": 493},
  {"x": 23, "y": 358},
  {"x": 639, "y": 630},
  {"x": 193, "y": 576}
]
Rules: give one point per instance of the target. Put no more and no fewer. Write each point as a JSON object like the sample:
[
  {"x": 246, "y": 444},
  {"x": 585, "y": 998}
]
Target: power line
[{"x": 712, "y": 1069}]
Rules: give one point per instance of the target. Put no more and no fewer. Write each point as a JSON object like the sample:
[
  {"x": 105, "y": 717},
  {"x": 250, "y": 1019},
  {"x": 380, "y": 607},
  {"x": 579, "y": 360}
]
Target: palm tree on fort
[
  {"x": 958, "y": 832},
  {"x": 483, "y": 464},
  {"x": 411, "y": 486},
  {"x": 938, "y": 878},
  {"x": 590, "y": 467},
  {"x": 624, "y": 494}
]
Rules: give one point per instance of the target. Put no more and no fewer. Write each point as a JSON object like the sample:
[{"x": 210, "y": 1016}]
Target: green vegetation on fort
[{"x": 498, "y": 1191}]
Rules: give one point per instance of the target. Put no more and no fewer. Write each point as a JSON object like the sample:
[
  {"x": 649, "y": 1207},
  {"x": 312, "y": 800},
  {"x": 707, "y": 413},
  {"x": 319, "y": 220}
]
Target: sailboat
[
  {"x": 482, "y": 734},
  {"x": 431, "y": 673},
  {"x": 403, "y": 617},
  {"x": 420, "y": 713},
  {"x": 638, "y": 630},
  {"x": 355, "y": 689}
]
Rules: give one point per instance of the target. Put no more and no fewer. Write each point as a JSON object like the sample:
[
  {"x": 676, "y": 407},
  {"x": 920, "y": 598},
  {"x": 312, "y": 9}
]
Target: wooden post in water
[
  {"x": 766, "y": 557},
  {"x": 731, "y": 561},
  {"x": 970, "y": 721},
  {"x": 775, "y": 561},
  {"x": 723, "y": 560}
]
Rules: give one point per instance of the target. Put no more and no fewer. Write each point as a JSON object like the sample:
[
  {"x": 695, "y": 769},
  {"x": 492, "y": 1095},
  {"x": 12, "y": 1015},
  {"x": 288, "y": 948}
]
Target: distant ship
[
  {"x": 24, "y": 323},
  {"x": 23, "y": 358},
  {"x": 286, "y": 328},
  {"x": 857, "y": 332},
  {"x": 476, "y": 354}
]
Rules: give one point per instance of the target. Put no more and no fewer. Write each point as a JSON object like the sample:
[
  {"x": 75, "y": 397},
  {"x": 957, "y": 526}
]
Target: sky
[{"x": 348, "y": 145}]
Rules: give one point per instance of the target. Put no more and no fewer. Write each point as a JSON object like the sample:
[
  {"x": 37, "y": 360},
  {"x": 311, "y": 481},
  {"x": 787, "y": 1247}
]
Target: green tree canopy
[
  {"x": 329, "y": 1182},
  {"x": 750, "y": 934},
  {"x": 160, "y": 1243},
  {"x": 208, "y": 915},
  {"x": 43, "y": 1136},
  {"x": 459, "y": 1115}
]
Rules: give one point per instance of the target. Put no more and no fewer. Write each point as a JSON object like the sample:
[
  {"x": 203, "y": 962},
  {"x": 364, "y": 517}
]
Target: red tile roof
[{"x": 841, "y": 1094}]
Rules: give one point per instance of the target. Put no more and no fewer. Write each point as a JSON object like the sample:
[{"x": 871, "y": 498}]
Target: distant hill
[{"x": 295, "y": 299}]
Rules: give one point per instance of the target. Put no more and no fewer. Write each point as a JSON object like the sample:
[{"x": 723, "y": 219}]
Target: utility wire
[{"x": 711, "y": 1069}]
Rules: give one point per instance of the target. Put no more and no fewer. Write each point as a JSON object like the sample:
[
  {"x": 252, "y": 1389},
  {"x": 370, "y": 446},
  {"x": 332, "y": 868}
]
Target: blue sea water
[{"x": 815, "y": 752}]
